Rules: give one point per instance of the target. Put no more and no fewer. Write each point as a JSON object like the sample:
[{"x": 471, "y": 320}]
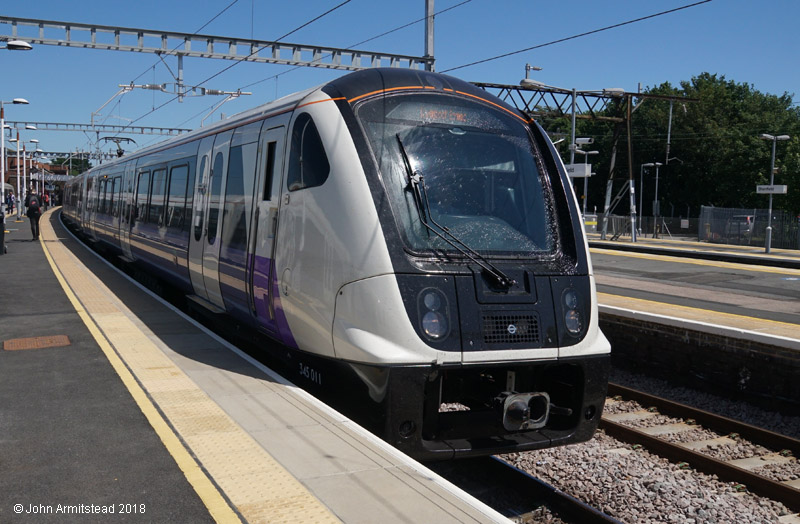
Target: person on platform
[{"x": 34, "y": 204}]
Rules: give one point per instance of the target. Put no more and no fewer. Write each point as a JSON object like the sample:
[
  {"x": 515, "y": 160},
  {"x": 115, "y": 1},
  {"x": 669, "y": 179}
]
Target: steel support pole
[
  {"x": 429, "y": 66},
  {"x": 656, "y": 207},
  {"x": 180, "y": 87},
  {"x": 3, "y": 151},
  {"x": 630, "y": 174},
  {"x": 585, "y": 183},
  {"x": 641, "y": 194},
  {"x": 768, "y": 243},
  {"x": 19, "y": 199},
  {"x": 669, "y": 131}
]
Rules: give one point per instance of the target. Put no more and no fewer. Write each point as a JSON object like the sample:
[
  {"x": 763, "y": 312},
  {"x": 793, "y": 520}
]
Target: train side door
[
  {"x": 116, "y": 206},
  {"x": 204, "y": 258},
  {"x": 197, "y": 231},
  {"x": 89, "y": 206},
  {"x": 261, "y": 274},
  {"x": 126, "y": 209}
]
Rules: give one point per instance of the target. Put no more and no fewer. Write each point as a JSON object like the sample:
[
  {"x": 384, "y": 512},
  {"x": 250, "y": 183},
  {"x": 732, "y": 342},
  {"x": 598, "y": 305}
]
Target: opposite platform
[{"x": 253, "y": 447}]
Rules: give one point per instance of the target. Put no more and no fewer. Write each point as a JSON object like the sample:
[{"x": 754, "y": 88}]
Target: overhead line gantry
[
  {"x": 540, "y": 101},
  {"x": 93, "y": 36}
]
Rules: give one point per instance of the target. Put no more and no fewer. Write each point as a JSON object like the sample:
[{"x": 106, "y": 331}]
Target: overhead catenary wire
[
  {"x": 237, "y": 62},
  {"x": 573, "y": 37},
  {"x": 370, "y": 39}
]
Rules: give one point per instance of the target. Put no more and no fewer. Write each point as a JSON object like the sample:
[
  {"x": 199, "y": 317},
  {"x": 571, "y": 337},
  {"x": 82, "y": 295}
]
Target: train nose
[{"x": 523, "y": 411}]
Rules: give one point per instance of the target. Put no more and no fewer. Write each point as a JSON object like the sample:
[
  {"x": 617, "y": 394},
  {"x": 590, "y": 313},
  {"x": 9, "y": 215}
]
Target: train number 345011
[{"x": 311, "y": 374}]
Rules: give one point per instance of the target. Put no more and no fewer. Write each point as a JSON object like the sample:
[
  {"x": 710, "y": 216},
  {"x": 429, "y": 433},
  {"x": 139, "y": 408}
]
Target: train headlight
[
  {"x": 573, "y": 319},
  {"x": 433, "y": 311}
]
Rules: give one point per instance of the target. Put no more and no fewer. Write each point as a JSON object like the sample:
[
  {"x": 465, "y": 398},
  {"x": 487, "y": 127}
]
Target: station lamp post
[
  {"x": 774, "y": 139},
  {"x": 656, "y": 205},
  {"x": 10, "y": 45},
  {"x": 29, "y": 157},
  {"x": 20, "y": 197},
  {"x": 3, "y": 162},
  {"x": 641, "y": 192},
  {"x": 586, "y": 178}
]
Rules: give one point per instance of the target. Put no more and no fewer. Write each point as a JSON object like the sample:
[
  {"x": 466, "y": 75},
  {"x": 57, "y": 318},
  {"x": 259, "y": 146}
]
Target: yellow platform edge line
[
  {"x": 211, "y": 497},
  {"x": 755, "y": 268},
  {"x": 709, "y": 312}
]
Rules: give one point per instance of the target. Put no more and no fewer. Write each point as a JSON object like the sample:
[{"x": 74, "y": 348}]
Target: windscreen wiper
[{"x": 416, "y": 182}]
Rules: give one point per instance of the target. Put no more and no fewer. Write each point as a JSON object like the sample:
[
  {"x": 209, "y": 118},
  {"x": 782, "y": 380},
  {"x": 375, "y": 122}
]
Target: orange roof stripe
[{"x": 409, "y": 88}]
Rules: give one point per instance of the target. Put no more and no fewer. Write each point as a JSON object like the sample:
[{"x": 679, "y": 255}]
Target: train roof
[
  {"x": 367, "y": 81},
  {"x": 352, "y": 86}
]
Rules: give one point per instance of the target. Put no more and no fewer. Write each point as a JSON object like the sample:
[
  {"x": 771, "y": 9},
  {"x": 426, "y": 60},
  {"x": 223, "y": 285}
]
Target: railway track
[
  {"x": 748, "y": 472},
  {"x": 517, "y": 494}
]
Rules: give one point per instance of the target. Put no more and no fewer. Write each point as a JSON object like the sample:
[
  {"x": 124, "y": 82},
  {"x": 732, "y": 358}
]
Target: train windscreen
[{"x": 476, "y": 172}]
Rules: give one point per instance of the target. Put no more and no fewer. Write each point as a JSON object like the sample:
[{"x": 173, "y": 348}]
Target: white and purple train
[{"x": 410, "y": 241}]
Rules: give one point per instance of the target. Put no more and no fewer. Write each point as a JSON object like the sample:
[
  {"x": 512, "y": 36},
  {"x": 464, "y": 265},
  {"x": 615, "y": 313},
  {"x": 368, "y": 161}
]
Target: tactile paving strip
[
  {"x": 251, "y": 479},
  {"x": 53, "y": 341}
]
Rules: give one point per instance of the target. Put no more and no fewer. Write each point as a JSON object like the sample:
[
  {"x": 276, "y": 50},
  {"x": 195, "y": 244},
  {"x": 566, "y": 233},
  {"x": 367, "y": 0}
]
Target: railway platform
[
  {"x": 114, "y": 404},
  {"x": 682, "y": 247},
  {"x": 779, "y": 333},
  {"x": 713, "y": 316}
]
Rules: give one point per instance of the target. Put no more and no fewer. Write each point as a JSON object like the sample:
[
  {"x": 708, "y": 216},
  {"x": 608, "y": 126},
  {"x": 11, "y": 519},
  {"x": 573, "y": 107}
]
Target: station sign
[
  {"x": 579, "y": 170},
  {"x": 771, "y": 190}
]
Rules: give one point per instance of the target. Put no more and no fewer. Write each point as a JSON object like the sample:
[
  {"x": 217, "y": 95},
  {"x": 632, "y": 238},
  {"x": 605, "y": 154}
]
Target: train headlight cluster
[
  {"x": 573, "y": 319},
  {"x": 433, "y": 310}
]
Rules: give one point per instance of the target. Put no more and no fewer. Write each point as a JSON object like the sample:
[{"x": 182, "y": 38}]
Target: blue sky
[{"x": 745, "y": 40}]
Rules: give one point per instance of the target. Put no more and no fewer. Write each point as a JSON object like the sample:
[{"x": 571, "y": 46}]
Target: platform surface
[{"x": 112, "y": 401}]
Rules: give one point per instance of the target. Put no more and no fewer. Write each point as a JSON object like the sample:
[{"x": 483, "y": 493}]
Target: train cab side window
[
  {"x": 270, "y": 171},
  {"x": 308, "y": 163},
  {"x": 176, "y": 204}
]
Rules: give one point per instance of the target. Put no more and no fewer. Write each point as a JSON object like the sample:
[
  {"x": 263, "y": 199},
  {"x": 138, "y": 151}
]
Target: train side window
[
  {"x": 215, "y": 197},
  {"x": 241, "y": 169},
  {"x": 142, "y": 193},
  {"x": 198, "y": 225},
  {"x": 186, "y": 223},
  {"x": 117, "y": 196},
  {"x": 89, "y": 186},
  {"x": 176, "y": 204},
  {"x": 109, "y": 209},
  {"x": 101, "y": 196},
  {"x": 308, "y": 163},
  {"x": 270, "y": 171},
  {"x": 156, "y": 208}
]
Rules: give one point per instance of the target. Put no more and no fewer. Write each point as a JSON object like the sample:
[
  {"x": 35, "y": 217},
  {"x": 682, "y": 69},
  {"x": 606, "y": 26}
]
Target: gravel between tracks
[
  {"x": 771, "y": 420},
  {"x": 639, "y": 487}
]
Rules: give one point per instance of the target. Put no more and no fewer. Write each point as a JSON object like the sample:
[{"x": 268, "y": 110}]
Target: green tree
[{"x": 716, "y": 155}]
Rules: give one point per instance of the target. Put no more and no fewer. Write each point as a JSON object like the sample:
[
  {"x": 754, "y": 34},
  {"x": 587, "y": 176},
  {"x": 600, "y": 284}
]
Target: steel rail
[
  {"x": 725, "y": 471},
  {"x": 709, "y": 420},
  {"x": 514, "y": 492}
]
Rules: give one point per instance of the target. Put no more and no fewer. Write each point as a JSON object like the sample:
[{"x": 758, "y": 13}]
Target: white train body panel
[{"x": 405, "y": 236}]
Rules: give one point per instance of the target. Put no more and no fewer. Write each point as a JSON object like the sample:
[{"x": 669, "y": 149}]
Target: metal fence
[{"x": 747, "y": 227}]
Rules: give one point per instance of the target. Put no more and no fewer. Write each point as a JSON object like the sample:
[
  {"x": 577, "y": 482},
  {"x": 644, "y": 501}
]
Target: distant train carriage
[{"x": 413, "y": 241}]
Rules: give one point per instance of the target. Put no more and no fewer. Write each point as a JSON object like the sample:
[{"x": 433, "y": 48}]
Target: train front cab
[{"x": 499, "y": 300}]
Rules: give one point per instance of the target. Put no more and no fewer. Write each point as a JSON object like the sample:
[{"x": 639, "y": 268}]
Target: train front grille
[{"x": 510, "y": 328}]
